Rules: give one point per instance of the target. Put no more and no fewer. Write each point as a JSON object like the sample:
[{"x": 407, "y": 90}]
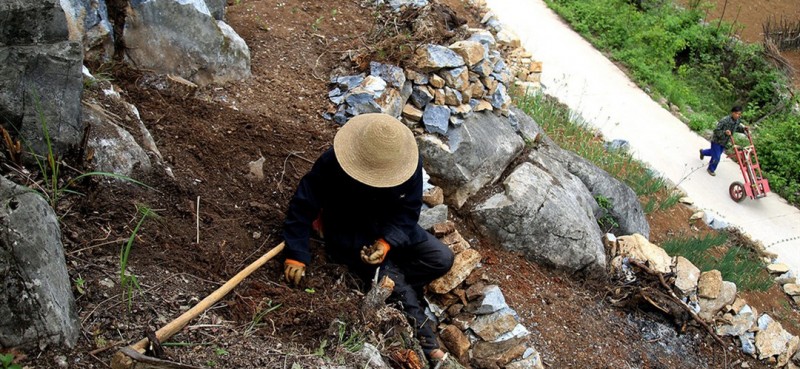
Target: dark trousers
[
  {"x": 411, "y": 268},
  {"x": 715, "y": 152}
]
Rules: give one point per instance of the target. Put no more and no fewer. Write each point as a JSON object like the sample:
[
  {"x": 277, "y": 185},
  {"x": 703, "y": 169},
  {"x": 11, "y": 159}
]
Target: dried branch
[{"x": 677, "y": 300}]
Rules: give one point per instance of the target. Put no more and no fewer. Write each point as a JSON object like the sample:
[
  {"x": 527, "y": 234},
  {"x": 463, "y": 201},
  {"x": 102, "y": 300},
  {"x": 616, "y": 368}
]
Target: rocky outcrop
[
  {"x": 476, "y": 154},
  {"x": 183, "y": 38},
  {"x": 40, "y": 76},
  {"x": 38, "y": 308},
  {"x": 544, "y": 212}
]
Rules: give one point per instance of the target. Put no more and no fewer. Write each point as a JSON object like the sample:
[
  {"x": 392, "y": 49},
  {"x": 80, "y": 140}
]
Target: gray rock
[
  {"x": 345, "y": 83},
  {"x": 44, "y": 78},
  {"x": 172, "y": 36},
  {"x": 457, "y": 78},
  {"x": 491, "y": 326},
  {"x": 532, "y": 361},
  {"x": 618, "y": 144},
  {"x": 40, "y": 70},
  {"x": 38, "y": 308},
  {"x": 519, "y": 331},
  {"x": 544, "y": 212},
  {"x": 686, "y": 275},
  {"x": 115, "y": 149},
  {"x": 398, "y": 4},
  {"x": 430, "y": 216},
  {"x": 710, "y": 307},
  {"x": 25, "y": 23},
  {"x": 336, "y": 96},
  {"x": 420, "y": 97},
  {"x": 492, "y": 300},
  {"x": 478, "y": 153},
  {"x": 89, "y": 23},
  {"x": 362, "y": 102},
  {"x": 786, "y": 278},
  {"x": 372, "y": 358},
  {"x": 436, "y": 118},
  {"x": 392, "y": 74},
  {"x": 432, "y": 57},
  {"x": 748, "y": 343},
  {"x": 500, "y": 98},
  {"x": 484, "y": 68},
  {"x": 740, "y": 324},
  {"x": 391, "y": 102},
  {"x": 483, "y": 36},
  {"x": 217, "y": 8}
]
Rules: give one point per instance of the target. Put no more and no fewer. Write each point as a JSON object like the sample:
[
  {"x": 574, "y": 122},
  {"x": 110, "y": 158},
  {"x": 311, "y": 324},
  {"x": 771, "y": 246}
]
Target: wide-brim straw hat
[{"x": 377, "y": 150}]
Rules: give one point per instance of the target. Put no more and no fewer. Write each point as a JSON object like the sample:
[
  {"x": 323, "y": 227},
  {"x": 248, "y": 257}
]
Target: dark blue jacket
[{"x": 353, "y": 214}]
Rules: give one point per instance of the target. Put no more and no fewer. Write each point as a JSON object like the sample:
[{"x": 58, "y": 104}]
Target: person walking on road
[
  {"x": 719, "y": 141},
  {"x": 364, "y": 196}
]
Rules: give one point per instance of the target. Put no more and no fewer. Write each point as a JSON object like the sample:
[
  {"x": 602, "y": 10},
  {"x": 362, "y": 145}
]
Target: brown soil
[{"x": 208, "y": 141}]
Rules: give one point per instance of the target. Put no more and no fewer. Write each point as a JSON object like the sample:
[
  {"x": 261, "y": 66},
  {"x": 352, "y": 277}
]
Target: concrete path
[{"x": 585, "y": 80}]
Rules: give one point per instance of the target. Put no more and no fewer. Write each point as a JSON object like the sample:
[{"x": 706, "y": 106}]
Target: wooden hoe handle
[{"x": 122, "y": 361}]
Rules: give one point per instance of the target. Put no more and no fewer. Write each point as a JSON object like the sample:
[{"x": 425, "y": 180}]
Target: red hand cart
[{"x": 755, "y": 185}]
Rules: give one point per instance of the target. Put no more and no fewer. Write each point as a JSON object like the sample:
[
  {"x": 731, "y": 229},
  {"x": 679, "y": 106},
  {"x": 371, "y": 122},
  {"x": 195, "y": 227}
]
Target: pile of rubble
[
  {"x": 442, "y": 85},
  {"x": 475, "y": 323},
  {"x": 711, "y": 301}
]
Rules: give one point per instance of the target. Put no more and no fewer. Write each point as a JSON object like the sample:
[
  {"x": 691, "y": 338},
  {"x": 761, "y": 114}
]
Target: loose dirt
[{"x": 208, "y": 141}]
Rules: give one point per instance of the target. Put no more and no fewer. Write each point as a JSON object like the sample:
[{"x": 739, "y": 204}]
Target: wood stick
[
  {"x": 123, "y": 361},
  {"x": 198, "y": 219},
  {"x": 678, "y": 300}
]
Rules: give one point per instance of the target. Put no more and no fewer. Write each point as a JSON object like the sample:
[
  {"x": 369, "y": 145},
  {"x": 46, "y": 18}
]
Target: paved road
[{"x": 585, "y": 80}]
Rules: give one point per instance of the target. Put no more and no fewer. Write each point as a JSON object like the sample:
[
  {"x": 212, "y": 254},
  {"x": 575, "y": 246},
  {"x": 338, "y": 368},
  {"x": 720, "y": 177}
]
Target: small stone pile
[
  {"x": 785, "y": 277},
  {"x": 712, "y": 299},
  {"x": 441, "y": 86},
  {"x": 476, "y": 324}
]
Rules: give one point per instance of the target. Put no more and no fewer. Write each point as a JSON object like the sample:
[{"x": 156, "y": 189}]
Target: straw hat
[{"x": 377, "y": 150}]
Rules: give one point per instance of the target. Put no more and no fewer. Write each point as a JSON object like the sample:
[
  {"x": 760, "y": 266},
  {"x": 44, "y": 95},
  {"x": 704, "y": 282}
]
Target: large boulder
[
  {"x": 40, "y": 76},
  {"x": 477, "y": 153},
  {"x": 625, "y": 206},
  {"x": 38, "y": 307},
  {"x": 182, "y": 37},
  {"x": 545, "y": 213}
]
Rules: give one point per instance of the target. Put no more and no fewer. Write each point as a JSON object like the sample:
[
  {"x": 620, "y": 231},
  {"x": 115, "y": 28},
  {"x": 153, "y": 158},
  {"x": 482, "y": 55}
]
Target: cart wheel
[{"x": 736, "y": 190}]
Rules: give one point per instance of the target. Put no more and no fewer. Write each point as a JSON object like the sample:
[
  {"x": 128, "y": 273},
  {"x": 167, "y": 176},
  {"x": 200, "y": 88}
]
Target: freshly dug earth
[{"x": 208, "y": 141}]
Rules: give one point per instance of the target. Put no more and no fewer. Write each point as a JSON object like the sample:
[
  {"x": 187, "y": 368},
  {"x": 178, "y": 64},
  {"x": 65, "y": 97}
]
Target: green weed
[
  {"x": 259, "y": 315},
  {"x": 128, "y": 281},
  {"x": 7, "y": 360},
  {"x": 606, "y": 221},
  {"x": 79, "y": 285}
]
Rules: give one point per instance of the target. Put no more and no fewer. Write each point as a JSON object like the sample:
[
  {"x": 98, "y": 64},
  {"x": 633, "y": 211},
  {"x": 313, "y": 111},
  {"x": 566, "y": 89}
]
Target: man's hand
[
  {"x": 376, "y": 253},
  {"x": 728, "y": 132},
  {"x": 293, "y": 271}
]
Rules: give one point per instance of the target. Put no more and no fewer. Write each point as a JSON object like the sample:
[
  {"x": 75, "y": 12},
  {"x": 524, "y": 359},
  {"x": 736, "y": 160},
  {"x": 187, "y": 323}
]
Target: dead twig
[{"x": 677, "y": 300}]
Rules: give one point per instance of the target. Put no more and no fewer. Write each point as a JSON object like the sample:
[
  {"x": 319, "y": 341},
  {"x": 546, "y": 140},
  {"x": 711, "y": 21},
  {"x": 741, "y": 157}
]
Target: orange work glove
[
  {"x": 376, "y": 253},
  {"x": 293, "y": 271}
]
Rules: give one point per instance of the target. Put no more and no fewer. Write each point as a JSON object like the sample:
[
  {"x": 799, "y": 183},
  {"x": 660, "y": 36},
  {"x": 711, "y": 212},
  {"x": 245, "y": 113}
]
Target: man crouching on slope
[{"x": 367, "y": 192}]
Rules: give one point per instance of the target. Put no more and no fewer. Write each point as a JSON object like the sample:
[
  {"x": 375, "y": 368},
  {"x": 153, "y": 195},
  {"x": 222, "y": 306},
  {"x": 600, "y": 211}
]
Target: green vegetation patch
[
  {"x": 737, "y": 263},
  {"x": 702, "y": 69}
]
